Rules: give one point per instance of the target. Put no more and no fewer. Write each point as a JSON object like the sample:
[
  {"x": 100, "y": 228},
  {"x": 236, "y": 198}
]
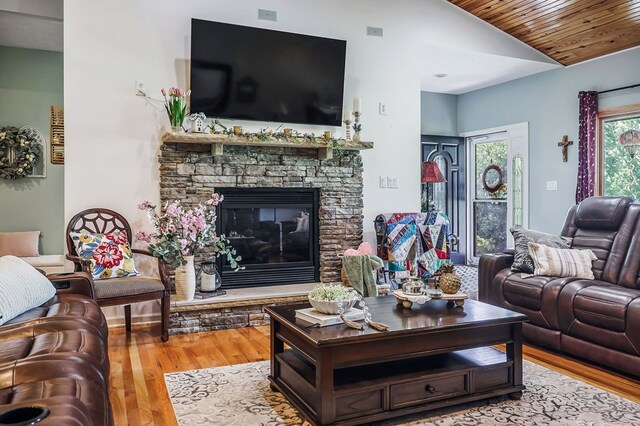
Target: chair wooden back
[{"x": 96, "y": 221}]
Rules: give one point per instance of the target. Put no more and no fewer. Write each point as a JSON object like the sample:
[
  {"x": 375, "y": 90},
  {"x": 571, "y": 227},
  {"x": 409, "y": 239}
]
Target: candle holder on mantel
[
  {"x": 357, "y": 127},
  {"x": 348, "y": 122}
]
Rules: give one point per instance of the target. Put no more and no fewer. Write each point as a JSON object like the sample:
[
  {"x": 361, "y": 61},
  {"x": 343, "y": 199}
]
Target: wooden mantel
[{"x": 218, "y": 141}]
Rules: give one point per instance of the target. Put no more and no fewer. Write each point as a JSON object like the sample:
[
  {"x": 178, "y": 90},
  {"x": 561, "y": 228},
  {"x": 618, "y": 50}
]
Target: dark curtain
[{"x": 587, "y": 145}]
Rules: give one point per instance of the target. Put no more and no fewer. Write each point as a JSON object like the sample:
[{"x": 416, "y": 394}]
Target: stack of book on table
[{"x": 312, "y": 316}]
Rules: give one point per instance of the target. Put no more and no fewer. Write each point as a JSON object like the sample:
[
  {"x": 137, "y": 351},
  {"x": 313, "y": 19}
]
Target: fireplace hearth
[{"x": 275, "y": 231}]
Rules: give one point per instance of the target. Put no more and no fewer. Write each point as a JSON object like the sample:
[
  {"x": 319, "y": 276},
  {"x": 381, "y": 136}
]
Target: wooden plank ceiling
[{"x": 569, "y": 31}]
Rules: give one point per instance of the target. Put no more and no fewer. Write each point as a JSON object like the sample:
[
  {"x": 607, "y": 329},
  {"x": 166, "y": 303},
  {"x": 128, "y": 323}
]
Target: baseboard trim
[{"x": 135, "y": 319}]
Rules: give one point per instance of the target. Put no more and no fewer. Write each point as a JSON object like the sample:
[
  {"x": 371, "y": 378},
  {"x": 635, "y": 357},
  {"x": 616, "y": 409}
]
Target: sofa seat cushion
[
  {"x": 528, "y": 292},
  {"x": 534, "y": 296},
  {"x": 601, "y": 313},
  {"x": 127, "y": 286},
  {"x": 604, "y": 307}
]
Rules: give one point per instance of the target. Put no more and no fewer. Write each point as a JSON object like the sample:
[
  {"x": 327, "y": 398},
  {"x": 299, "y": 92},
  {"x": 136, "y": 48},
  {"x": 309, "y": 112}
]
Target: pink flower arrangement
[{"x": 179, "y": 232}]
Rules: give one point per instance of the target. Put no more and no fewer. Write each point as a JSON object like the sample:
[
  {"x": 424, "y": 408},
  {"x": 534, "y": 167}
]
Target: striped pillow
[{"x": 556, "y": 262}]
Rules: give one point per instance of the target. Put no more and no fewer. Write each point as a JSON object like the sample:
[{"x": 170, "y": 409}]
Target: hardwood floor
[{"x": 139, "y": 360}]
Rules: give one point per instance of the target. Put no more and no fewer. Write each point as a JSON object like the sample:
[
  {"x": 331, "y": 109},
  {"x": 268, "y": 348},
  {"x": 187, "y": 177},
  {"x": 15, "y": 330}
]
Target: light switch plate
[
  {"x": 552, "y": 185},
  {"x": 382, "y": 180},
  {"x": 382, "y": 108},
  {"x": 392, "y": 182}
]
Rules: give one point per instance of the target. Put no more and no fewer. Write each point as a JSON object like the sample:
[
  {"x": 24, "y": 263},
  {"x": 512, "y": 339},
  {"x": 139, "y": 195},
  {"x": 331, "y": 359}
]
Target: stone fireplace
[{"x": 190, "y": 173}]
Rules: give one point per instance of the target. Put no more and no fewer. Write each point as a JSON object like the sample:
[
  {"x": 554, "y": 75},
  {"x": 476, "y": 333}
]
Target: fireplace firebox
[{"x": 275, "y": 230}]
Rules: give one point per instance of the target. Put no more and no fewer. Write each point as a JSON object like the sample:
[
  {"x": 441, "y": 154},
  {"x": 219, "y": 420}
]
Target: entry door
[
  {"x": 450, "y": 196},
  {"x": 498, "y": 189}
]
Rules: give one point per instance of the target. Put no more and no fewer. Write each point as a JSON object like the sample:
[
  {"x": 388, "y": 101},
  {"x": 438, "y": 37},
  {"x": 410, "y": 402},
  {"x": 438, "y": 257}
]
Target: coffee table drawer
[{"x": 429, "y": 389}]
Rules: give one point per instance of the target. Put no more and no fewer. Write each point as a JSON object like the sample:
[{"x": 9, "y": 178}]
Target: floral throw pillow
[{"x": 110, "y": 254}]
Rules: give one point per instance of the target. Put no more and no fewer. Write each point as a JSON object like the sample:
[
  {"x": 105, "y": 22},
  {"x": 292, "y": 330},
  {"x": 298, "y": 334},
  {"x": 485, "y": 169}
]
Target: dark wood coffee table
[{"x": 433, "y": 355}]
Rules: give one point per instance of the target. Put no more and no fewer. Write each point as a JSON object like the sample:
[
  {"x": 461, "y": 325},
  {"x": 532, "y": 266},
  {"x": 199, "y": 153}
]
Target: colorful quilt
[{"x": 416, "y": 243}]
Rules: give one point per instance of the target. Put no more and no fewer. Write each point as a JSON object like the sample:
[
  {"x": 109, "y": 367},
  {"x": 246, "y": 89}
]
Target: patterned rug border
[{"x": 240, "y": 395}]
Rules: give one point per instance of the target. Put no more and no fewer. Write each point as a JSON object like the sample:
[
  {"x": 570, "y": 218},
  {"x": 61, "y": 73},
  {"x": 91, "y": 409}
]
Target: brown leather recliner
[
  {"x": 55, "y": 356},
  {"x": 594, "y": 319}
]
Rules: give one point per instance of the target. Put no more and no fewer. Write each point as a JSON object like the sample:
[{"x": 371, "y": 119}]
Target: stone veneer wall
[{"x": 189, "y": 173}]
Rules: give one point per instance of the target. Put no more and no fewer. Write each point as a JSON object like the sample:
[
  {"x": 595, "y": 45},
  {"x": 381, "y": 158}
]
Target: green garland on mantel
[
  {"x": 266, "y": 135},
  {"x": 19, "y": 152}
]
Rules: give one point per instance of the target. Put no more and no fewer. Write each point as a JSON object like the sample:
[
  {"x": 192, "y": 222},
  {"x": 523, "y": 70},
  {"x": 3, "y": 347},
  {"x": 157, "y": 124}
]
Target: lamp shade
[{"x": 431, "y": 173}]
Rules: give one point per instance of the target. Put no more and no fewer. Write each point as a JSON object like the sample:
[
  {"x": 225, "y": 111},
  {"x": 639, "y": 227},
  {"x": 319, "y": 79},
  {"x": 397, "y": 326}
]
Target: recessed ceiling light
[{"x": 440, "y": 75}]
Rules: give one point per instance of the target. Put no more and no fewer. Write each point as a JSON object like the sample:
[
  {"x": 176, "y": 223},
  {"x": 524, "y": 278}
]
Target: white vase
[{"x": 186, "y": 280}]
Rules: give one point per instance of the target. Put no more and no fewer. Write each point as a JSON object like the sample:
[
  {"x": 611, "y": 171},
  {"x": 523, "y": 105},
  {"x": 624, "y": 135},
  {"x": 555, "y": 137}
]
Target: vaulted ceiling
[{"x": 569, "y": 31}]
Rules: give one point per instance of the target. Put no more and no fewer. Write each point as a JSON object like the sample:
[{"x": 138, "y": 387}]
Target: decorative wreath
[
  {"x": 495, "y": 185},
  {"x": 19, "y": 151}
]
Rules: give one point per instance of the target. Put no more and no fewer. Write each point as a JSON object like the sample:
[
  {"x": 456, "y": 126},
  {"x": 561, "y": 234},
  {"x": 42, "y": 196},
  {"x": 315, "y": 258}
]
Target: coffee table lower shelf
[{"x": 388, "y": 389}]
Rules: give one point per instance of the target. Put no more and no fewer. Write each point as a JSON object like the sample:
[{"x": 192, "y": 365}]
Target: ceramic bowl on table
[{"x": 330, "y": 306}]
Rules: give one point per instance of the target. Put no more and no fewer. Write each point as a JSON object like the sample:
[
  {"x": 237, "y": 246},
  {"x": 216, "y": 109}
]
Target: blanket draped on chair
[
  {"x": 415, "y": 242},
  {"x": 359, "y": 270}
]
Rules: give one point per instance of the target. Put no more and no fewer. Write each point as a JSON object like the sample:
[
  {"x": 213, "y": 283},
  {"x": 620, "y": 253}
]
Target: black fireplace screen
[{"x": 275, "y": 231}]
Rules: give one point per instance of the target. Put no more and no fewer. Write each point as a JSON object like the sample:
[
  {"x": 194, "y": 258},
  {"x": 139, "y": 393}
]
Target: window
[{"x": 619, "y": 152}]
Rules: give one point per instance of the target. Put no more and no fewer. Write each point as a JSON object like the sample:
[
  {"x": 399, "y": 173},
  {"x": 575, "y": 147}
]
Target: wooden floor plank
[{"x": 140, "y": 359}]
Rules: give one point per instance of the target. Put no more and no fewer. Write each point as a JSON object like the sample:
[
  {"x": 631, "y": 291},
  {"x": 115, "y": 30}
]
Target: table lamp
[{"x": 430, "y": 174}]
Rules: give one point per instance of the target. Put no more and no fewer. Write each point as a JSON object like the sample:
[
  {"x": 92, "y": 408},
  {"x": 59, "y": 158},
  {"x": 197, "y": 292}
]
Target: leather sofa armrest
[
  {"x": 73, "y": 282},
  {"x": 63, "y": 410},
  {"x": 488, "y": 268}
]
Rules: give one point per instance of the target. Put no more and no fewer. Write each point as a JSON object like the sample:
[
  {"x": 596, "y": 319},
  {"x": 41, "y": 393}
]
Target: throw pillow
[
  {"x": 109, "y": 255},
  {"x": 21, "y": 244},
  {"x": 522, "y": 261},
  {"x": 22, "y": 288},
  {"x": 555, "y": 262}
]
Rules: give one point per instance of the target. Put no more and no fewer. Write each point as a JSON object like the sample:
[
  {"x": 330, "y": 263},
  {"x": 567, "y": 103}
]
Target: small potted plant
[{"x": 328, "y": 299}]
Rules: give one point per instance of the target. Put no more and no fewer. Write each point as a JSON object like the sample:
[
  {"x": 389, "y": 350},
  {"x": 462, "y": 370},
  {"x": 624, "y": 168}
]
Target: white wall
[{"x": 112, "y": 136}]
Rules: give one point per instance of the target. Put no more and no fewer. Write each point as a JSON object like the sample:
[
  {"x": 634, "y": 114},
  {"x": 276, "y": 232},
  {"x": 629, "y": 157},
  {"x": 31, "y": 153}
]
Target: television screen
[{"x": 249, "y": 73}]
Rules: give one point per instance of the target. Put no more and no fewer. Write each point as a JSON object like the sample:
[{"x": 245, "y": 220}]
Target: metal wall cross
[{"x": 565, "y": 147}]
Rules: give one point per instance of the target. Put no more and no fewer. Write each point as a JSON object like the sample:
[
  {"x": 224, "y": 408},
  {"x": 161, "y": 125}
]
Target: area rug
[
  {"x": 240, "y": 395},
  {"x": 468, "y": 278}
]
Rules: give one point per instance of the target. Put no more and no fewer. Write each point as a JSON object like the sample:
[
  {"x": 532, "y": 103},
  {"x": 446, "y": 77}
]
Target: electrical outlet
[
  {"x": 268, "y": 15},
  {"x": 392, "y": 182},
  {"x": 382, "y": 181},
  {"x": 552, "y": 185},
  {"x": 140, "y": 89},
  {"x": 382, "y": 108}
]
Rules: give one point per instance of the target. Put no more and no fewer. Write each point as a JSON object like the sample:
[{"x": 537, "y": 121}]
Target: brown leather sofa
[
  {"x": 599, "y": 319},
  {"x": 55, "y": 356}
]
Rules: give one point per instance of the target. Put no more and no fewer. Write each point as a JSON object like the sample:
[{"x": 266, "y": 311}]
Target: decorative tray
[{"x": 407, "y": 300}]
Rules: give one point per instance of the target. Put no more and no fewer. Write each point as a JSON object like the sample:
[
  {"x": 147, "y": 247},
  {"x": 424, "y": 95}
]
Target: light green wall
[
  {"x": 549, "y": 102},
  {"x": 439, "y": 114},
  {"x": 30, "y": 82}
]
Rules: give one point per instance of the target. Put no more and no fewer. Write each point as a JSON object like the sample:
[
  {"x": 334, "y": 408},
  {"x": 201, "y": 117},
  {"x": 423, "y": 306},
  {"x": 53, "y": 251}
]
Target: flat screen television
[{"x": 247, "y": 73}]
